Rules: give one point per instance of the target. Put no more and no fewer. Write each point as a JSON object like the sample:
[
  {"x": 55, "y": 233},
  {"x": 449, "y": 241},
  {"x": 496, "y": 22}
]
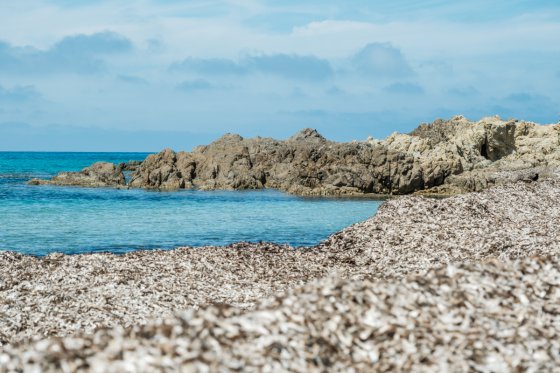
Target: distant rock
[
  {"x": 100, "y": 174},
  {"x": 444, "y": 157},
  {"x": 308, "y": 134},
  {"x": 130, "y": 165},
  {"x": 166, "y": 170}
]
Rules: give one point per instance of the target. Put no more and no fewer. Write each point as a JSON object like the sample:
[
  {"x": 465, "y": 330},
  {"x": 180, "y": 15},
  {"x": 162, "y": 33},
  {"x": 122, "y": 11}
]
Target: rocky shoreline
[
  {"x": 470, "y": 282},
  {"x": 441, "y": 158}
]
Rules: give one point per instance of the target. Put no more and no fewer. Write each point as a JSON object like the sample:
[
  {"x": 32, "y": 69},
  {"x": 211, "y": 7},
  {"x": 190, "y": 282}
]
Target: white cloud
[
  {"x": 461, "y": 64},
  {"x": 290, "y": 66}
]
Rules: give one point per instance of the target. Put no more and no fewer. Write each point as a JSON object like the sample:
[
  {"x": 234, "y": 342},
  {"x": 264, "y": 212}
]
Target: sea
[{"x": 39, "y": 220}]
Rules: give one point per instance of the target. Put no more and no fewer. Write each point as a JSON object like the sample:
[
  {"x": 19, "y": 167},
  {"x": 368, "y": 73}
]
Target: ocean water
[{"x": 39, "y": 220}]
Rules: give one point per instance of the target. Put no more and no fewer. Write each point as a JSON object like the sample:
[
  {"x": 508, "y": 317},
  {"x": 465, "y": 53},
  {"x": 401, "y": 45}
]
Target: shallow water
[{"x": 42, "y": 219}]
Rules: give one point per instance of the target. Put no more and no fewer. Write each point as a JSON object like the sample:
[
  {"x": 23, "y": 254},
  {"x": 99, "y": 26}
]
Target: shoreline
[
  {"x": 334, "y": 195},
  {"x": 364, "y": 196},
  {"x": 77, "y": 295},
  {"x": 89, "y": 309},
  {"x": 299, "y": 220}
]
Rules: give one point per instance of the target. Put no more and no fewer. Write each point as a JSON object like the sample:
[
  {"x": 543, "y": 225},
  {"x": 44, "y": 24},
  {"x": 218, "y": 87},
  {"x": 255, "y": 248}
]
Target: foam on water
[{"x": 42, "y": 219}]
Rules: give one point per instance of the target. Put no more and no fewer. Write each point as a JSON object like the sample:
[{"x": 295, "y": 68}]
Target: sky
[{"x": 116, "y": 75}]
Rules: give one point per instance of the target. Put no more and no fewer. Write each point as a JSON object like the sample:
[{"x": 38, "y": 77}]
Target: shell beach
[{"x": 470, "y": 282}]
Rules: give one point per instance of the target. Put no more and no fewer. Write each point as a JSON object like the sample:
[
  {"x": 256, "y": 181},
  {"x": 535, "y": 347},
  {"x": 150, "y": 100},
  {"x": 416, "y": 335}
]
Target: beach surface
[{"x": 467, "y": 282}]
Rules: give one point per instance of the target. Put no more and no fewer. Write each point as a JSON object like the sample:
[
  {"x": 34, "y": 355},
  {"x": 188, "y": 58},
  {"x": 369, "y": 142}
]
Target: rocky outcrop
[
  {"x": 443, "y": 157},
  {"x": 100, "y": 174}
]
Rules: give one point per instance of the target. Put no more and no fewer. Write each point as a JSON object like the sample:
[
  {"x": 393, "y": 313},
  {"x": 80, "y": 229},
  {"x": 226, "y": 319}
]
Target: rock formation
[
  {"x": 444, "y": 157},
  {"x": 100, "y": 174}
]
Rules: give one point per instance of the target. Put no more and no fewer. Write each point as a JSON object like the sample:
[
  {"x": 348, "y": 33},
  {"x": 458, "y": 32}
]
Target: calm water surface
[{"x": 42, "y": 219}]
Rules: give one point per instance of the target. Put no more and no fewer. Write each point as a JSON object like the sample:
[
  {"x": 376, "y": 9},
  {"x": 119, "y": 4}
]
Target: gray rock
[{"x": 308, "y": 134}]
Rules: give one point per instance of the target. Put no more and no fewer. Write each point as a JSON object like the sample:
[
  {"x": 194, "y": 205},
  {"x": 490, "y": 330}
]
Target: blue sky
[{"x": 139, "y": 76}]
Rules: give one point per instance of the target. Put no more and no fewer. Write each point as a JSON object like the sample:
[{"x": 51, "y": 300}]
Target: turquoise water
[{"x": 42, "y": 219}]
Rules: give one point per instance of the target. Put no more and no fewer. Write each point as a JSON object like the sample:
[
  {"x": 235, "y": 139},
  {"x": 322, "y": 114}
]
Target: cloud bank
[
  {"x": 350, "y": 69},
  {"x": 296, "y": 67},
  {"x": 82, "y": 54}
]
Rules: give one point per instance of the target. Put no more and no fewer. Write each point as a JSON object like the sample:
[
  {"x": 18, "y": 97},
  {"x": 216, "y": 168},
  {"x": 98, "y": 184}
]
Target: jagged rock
[
  {"x": 130, "y": 165},
  {"x": 166, "y": 170},
  {"x": 308, "y": 134},
  {"x": 429, "y": 158}
]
